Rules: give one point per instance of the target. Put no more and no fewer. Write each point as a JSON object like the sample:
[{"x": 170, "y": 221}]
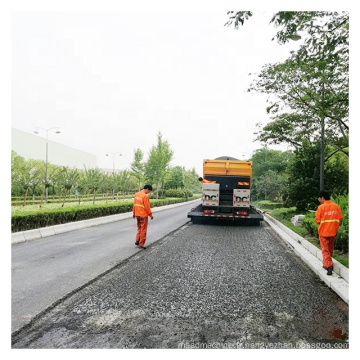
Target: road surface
[
  {"x": 47, "y": 269},
  {"x": 204, "y": 286}
]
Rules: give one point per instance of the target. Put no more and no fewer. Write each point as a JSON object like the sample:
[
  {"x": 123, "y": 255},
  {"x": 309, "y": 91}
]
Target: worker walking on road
[
  {"x": 328, "y": 216},
  {"x": 141, "y": 211}
]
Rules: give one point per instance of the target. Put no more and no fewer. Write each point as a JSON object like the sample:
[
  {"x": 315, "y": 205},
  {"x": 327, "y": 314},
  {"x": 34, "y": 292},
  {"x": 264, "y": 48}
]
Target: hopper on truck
[{"x": 227, "y": 195}]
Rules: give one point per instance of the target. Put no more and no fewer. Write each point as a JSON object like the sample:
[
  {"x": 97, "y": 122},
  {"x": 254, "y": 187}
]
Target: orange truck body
[{"x": 228, "y": 196}]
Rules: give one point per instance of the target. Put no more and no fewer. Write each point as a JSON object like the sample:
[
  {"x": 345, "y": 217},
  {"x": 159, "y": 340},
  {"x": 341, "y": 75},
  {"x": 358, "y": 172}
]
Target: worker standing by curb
[
  {"x": 141, "y": 211},
  {"x": 328, "y": 216}
]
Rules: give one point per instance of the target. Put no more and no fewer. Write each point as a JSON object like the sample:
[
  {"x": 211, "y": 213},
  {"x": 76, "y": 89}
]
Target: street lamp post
[
  {"x": 113, "y": 154},
  {"x": 46, "y": 161}
]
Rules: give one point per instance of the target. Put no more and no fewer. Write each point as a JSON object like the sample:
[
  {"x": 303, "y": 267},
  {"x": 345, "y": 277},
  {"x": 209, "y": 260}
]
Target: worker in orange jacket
[
  {"x": 141, "y": 211},
  {"x": 204, "y": 181},
  {"x": 328, "y": 216}
]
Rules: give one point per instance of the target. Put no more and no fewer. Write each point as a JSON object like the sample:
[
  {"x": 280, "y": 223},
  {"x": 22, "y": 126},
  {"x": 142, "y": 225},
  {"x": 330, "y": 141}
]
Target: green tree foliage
[
  {"x": 312, "y": 25},
  {"x": 30, "y": 174},
  {"x": 94, "y": 179},
  {"x": 25, "y": 175},
  {"x": 270, "y": 186},
  {"x": 138, "y": 166},
  {"x": 175, "y": 178},
  {"x": 306, "y": 93},
  {"x": 270, "y": 173},
  {"x": 238, "y": 18},
  {"x": 66, "y": 179},
  {"x": 309, "y": 89},
  {"x": 158, "y": 163},
  {"x": 191, "y": 181},
  {"x": 312, "y": 85},
  {"x": 303, "y": 184},
  {"x": 122, "y": 180}
]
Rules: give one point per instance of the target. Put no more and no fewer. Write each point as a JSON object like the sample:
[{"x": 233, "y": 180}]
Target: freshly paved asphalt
[
  {"x": 204, "y": 286},
  {"x": 47, "y": 269}
]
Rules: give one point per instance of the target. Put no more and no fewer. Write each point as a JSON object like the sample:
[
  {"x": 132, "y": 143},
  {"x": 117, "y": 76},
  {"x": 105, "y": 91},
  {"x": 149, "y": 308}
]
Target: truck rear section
[{"x": 227, "y": 196}]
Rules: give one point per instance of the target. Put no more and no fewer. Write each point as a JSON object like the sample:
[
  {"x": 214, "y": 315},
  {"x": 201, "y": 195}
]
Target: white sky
[{"x": 112, "y": 80}]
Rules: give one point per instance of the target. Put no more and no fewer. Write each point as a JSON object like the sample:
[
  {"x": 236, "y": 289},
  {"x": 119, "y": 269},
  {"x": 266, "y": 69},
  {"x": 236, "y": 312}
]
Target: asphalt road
[
  {"x": 45, "y": 270},
  {"x": 204, "y": 286}
]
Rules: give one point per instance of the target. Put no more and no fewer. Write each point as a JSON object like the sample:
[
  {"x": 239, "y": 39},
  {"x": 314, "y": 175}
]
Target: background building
[{"x": 31, "y": 146}]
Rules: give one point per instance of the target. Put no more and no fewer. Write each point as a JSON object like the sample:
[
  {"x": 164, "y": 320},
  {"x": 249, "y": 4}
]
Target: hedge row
[
  {"x": 342, "y": 236},
  {"x": 176, "y": 193},
  {"x": 30, "y": 220},
  {"x": 69, "y": 199},
  {"x": 267, "y": 204}
]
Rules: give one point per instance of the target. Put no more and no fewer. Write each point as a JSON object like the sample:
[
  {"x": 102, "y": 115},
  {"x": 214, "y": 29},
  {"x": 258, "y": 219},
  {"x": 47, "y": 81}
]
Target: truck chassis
[{"x": 197, "y": 216}]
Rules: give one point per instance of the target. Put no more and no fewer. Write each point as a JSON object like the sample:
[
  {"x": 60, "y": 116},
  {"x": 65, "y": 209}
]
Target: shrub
[
  {"x": 310, "y": 225},
  {"x": 177, "y": 193},
  {"x": 33, "y": 220},
  {"x": 342, "y": 236},
  {"x": 284, "y": 213},
  {"x": 267, "y": 204}
]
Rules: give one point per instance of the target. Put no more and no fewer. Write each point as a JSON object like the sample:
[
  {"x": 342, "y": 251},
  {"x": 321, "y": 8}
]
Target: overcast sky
[{"x": 112, "y": 80}]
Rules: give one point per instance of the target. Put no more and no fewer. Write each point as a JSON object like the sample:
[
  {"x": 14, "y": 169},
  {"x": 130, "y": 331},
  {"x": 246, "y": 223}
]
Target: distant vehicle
[{"x": 228, "y": 196}]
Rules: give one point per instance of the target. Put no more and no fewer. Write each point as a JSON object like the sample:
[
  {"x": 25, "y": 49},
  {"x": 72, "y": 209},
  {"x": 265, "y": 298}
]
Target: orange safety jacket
[
  {"x": 208, "y": 182},
  {"x": 141, "y": 205},
  {"x": 328, "y": 215}
]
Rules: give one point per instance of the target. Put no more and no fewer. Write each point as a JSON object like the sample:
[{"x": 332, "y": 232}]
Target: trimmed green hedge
[
  {"x": 30, "y": 220},
  {"x": 176, "y": 193},
  {"x": 267, "y": 204}
]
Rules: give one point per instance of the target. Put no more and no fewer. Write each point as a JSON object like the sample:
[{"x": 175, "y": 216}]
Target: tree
[
  {"x": 270, "y": 173},
  {"x": 191, "y": 181},
  {"x": 37, "y": 174},
  {"x": 66, "y": 179},
  {"x": 270, "y": 186},
  {"x": 138, "y": 167},
  {"x": 305, "y": 94},
  {"x": 122, "y": 181},
  {"x": 158, "y": 163},
  {"x": 175, "y": 178},
  {"x": 335, "y": 25},
  {"x": 266, "y": 159},
  {"x": 94, "y": 179},
  {"x": 302, "y": 187},
  {"x": 25, "y": 175},
  {"x": 17, "y": 164},
  {"x": 311, "y": 87},
  {"x": 30, "y": 177}
]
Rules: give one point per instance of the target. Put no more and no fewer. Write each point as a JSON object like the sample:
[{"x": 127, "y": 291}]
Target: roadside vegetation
[
  {"x": 75, "y": 194},
  {"x": 308, "y": 106},
  {"x": 308, "y": 229}
]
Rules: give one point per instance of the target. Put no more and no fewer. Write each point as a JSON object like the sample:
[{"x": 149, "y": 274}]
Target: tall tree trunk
[
  {"x": 66, "y": 191},
  {"x": 42, "y": 197},
  {"x": 26, "y": 192}
]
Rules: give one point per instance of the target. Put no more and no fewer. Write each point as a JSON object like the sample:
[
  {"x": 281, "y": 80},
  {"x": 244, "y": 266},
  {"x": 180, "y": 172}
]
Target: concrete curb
[
  {"x": 311, "y": 255},
  {"x": 29, "y": 235}
]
